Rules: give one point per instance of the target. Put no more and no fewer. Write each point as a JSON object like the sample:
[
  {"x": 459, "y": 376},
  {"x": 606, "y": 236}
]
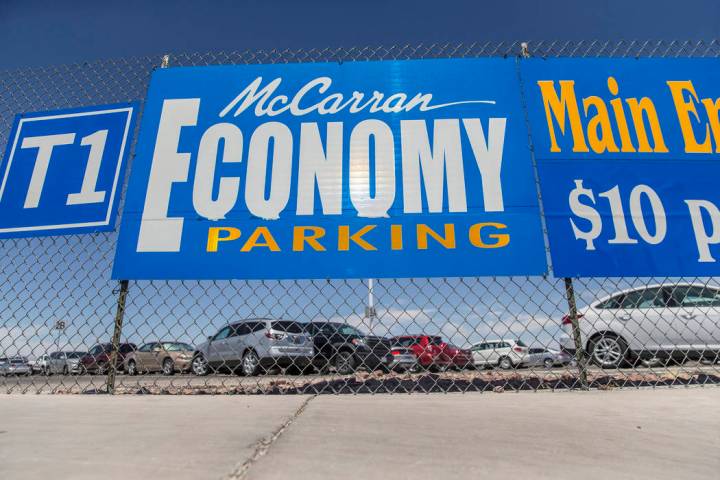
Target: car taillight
[
  {"x": 275, "y": 336},
  {"x": 566, "y": 319},
  {"x": 395, "y": 352},
  {"x": 518, "y": 349}
]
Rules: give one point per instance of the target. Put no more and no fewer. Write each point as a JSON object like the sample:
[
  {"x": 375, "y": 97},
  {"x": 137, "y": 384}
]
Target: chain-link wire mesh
[{"x": 63, "y": 321}]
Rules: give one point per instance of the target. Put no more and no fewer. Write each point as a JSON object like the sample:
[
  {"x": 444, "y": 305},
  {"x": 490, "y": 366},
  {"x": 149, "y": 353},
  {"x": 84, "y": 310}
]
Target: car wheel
[
  {"x": 608, "y": 351},
  {"x": 505, "y": 363},
  {"x": 132, "y": 368},
  {"x": 199, "y": 365},
  {"x": 345, "y": 362},
  {"x": 250, "y": 364},
  {"x": 102, "y": 368},
  {"x": 168, "y": 367},
  {"x": 549, "y": 363}
]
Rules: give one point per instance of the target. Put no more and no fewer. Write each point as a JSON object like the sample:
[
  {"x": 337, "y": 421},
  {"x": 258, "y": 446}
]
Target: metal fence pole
[
  {"x": 119, "y": 315},
  {"x": 579, "y": 351}
]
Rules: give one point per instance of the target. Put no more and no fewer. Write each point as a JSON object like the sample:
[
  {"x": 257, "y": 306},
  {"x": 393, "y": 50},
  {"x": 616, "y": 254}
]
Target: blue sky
[{"x": 48, "y": 32}]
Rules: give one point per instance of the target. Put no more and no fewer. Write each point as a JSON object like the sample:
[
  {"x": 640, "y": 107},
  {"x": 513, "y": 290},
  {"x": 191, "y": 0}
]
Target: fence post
[
  {"x": 579, "y": 351},
  {"x": 119, "y": 315}
]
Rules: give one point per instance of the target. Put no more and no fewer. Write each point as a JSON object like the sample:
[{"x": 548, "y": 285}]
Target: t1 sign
[{"x": 61, "y": 171}]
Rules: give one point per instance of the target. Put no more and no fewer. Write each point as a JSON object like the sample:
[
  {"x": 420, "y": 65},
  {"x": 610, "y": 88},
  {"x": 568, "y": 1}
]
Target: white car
[
  {"x": 506, "y": 353},
  {"x": 655, "y": 322}
]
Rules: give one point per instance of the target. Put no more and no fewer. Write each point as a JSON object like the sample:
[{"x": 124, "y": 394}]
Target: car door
[
  {"x": 142, "y": 356},
  {"x": 698, "y": 315},
  {"x": 236, "y": 343},
  {"x": 155, "y": 357},
  {"x": 217, "y": 347},
  {"x": 644, "y": 320},
  {"x": 478, "y": 353},
  {"x": 57, "y": 362}
]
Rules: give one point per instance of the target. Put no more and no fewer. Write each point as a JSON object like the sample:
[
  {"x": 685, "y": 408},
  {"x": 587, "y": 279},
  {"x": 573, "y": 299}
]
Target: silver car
[
  {"x": 64, "y": 362},
  {"x": 15, "y": 366},
  {"x": 41, "y": 364},
  {"x": 657, "y": 322},
  {"x": 546, "y": 357},
  {"x": 253, "y": 345}
]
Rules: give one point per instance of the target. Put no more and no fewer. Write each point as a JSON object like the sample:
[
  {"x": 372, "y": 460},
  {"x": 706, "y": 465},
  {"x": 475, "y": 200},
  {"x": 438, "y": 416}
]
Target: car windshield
[
  {"x": 348, "y": 330},
  {"x": 435, "y": 340},
  {"x": 286, "y": 326},
  {"x": 75, "y": 354},
  {"x": 176, "y": 346},
  {"x": 536, "y": 350}
]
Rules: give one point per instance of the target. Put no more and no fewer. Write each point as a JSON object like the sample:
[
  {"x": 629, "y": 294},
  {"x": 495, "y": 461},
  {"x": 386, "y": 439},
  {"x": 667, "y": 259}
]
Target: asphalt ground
[
  {"x": 667, "y": 433},
  {"x": 375, "y": 382}
]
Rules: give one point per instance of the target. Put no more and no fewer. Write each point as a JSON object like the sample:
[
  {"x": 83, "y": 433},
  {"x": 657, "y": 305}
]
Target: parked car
[
  {"x": 459, "y": 357},
  {"x": 679, "y": 320},
  {"x": 346, "y": 348},
  {"x": 504, "y": 353},
  {"x": 97, "y": 360},
  {"x": 64, "y": 362},
  {"x": 15, "y": 366},
  {"x": 166, "y": 357},
  {"x": 546, "y": 357},
  {"x": 251, "y": 345},
  {"x": 41, "y": 364},
  {"x": 403, "y": 359},
  {"x": 432, "y": 352}
]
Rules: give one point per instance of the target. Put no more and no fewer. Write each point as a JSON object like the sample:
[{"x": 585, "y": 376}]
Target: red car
[
  {"x": 432, "y": 353},
  {"x": 97, "y": 360}
]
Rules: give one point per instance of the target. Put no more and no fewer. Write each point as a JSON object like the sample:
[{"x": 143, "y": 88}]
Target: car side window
[
  {"x": 694, "y": 296},
  {"x": 645, "y": 298},
  {"x": 146, "y": 348},
  {"x": 96, "y": 350},
  {"x": 222, "y": 334},
  {"x": 240, "y": 330},
  {"x": 258, "y": 326},
  {"x": 611, "y": 303}
]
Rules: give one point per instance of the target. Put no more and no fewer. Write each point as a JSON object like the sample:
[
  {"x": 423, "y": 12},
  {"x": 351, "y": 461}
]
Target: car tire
[
  {"x": 102, "y": 368},
  {"x": 608, "y": 351},
  {"x": 345, "y": 363},
  {"x": 168, "y": 367},
  {"x": 548, "y": 363},
  {"x": 132, "y": 368},
  {"x": 199, "y": 365},
  {"x": 250, "y": 364},
  {"x": 505, "y": 363}
]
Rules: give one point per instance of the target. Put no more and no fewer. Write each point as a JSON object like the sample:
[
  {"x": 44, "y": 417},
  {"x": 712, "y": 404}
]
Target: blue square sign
[{"x": 63, "y": 170}]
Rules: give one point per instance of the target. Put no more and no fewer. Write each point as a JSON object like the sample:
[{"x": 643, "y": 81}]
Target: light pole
[{"x": 370, "y": 309}]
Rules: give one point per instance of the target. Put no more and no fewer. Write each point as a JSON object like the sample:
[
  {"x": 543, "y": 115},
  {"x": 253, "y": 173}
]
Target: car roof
[{"x": 645, "y": 287}]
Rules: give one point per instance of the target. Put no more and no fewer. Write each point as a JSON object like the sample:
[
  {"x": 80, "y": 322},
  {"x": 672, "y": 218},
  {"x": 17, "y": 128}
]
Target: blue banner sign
[
  {"x": 628, "y": 160},
  {"x": 63, "y": 170},
  {"x": 383, "y": 169}
]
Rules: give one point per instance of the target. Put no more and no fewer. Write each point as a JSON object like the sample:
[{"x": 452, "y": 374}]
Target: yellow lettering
[
  {"x": 268, "y": 240},
  {"x": 599, "y": 128},
  {"x": 448, "y": 241},
  {"x": 214, "y": 237},
  {"x": 684, "y": 108},
  {"x": 616, "y": 103},
  {"x": 396, "y": 239},
  {"x": 475, "y": 234},
  {"x": 555, "y": 108},
  {"x": 301, "y": 237},
  {"x": 712, "y": 109},
  {"x": 344, "y": 238},
  {"x": 647, "y": 107}
]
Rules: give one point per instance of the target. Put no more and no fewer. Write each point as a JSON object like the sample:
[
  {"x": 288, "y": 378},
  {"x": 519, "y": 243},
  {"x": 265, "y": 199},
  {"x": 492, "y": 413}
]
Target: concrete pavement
[{"x": 662, "y": 433}]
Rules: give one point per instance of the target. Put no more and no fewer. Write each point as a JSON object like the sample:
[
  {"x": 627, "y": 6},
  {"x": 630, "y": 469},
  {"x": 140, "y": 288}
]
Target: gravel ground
[{"x": 375, "y": 382}]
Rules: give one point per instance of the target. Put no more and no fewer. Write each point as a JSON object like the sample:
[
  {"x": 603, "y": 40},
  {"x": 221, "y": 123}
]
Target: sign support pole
[{"x": 579, "y": 351}]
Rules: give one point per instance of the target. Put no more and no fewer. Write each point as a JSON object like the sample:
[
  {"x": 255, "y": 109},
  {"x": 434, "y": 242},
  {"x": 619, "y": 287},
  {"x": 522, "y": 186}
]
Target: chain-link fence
[{"x": 66, "y": 327}]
